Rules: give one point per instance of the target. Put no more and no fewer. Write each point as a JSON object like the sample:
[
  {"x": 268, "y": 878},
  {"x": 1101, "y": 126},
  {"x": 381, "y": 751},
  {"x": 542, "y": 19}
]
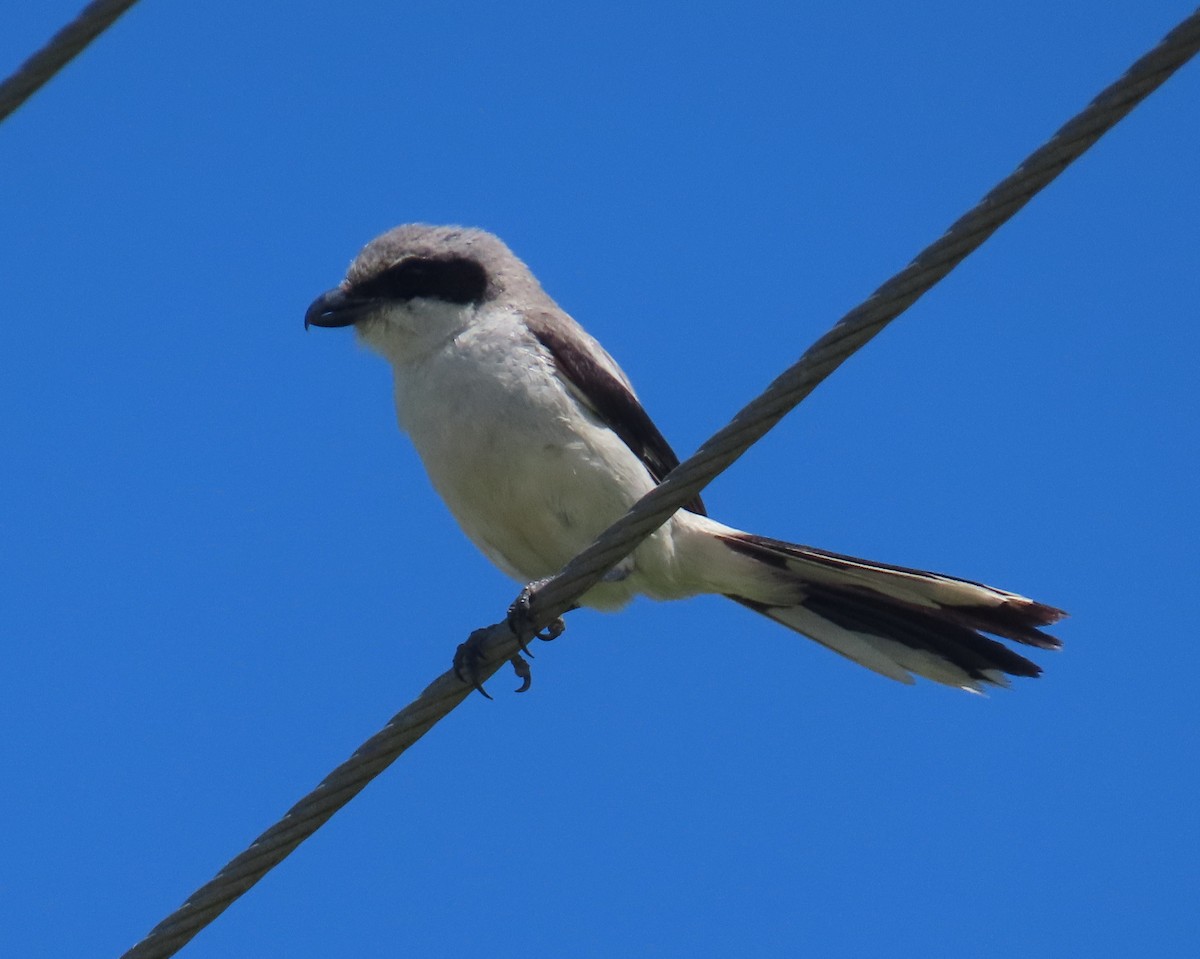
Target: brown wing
[{"x": 608, "y": 397}]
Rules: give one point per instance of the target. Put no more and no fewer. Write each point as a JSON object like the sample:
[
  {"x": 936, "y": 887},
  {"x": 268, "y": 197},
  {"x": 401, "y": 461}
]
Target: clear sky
[{"x": 222, "y": 568}]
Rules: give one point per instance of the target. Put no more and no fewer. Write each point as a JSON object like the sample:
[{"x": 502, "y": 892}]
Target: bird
[{"x": 535, "y": 440}]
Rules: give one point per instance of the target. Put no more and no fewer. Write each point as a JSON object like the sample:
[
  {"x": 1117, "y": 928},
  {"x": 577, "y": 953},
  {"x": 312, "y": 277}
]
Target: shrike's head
[{"x": 417, "y": 285}]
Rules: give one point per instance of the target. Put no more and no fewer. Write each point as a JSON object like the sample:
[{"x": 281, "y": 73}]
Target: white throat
[{"x": 404, "y": 333}]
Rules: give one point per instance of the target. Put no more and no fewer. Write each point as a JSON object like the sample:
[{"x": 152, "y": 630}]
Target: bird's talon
[
  {"x": 466, "y": 664},
  {"x": 553, "y": 631},
  {"x": 524, "y": 673},
  {"x": 518, "y": 613}
]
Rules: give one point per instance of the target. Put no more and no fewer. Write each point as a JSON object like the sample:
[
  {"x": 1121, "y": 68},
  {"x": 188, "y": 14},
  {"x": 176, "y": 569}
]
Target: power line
[
  {"x": 552, "y": 598},
  {"x": 92, "y": 21}
]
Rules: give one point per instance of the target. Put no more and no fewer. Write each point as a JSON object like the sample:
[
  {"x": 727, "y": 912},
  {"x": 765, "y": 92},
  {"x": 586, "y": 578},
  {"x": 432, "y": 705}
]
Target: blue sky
[{"x": 222, "y": 567}]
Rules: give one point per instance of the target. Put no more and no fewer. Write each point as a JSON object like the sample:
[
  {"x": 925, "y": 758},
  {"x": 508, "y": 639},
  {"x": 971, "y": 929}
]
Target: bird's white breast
[{"x": 529, "y": 474}]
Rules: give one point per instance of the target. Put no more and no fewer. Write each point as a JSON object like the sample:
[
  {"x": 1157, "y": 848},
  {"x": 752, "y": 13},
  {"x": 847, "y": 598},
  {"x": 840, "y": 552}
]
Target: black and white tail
[{"x": 900, "y": 621}]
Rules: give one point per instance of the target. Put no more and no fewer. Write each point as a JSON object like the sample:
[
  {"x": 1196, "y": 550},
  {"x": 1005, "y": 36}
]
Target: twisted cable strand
[
  {"x": 31, "y": 75},
  {"x": 554, "y": 597}
]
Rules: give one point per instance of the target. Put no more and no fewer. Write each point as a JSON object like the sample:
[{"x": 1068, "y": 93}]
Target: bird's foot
[
  {"x": 469, "y": 656},
  {"x": 519, "y": 615},
  {"x": 467, "y": 660},
  {"x": 524, "y": 673},
  {"x": 466, "y": 666}
]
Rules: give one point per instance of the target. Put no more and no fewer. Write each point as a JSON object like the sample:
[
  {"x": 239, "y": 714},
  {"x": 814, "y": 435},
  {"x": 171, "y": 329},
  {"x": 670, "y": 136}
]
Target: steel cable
[{"x": 31, "y": 75}]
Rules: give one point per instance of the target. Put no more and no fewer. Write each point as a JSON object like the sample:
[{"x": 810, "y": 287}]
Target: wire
[
  {"x": 556, "y": 595},
  {"x": 94, "y": 19}
]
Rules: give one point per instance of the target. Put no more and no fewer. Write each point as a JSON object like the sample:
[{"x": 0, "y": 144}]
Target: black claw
[
  {"x": 519, "y": 614},
  {"x": 515, "y": 627},
  {"x": 524, "y": 673},
  {"x": 466, "y": 664},
  {"x": 553, "y": 631}
]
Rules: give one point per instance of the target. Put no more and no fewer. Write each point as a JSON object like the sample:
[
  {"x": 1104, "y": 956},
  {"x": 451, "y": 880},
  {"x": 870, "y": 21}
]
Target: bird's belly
[
  {"x": 529, "y": 507},
  {"x": 533, "y": 482}
]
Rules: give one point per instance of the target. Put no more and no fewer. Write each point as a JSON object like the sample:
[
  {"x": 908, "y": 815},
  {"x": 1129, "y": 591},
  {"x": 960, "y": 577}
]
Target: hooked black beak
[{"x": 337, "y": 308}]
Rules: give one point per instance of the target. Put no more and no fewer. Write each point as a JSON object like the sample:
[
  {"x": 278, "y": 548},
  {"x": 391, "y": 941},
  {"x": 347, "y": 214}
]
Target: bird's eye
[{"x": 453, "y": 279}]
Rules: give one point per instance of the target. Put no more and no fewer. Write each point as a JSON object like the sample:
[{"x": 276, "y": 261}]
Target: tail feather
[{"x": 899, "y": 621}]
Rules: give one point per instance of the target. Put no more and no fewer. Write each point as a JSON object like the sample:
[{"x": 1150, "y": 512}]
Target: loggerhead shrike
[{"x": 535, "y": 439}]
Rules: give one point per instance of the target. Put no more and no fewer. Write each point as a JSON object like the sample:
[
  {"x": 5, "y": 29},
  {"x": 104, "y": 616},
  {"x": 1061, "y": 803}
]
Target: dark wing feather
[{"x": 607, "y": 396}]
